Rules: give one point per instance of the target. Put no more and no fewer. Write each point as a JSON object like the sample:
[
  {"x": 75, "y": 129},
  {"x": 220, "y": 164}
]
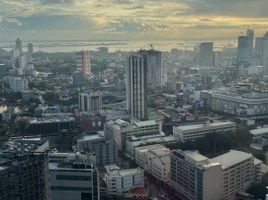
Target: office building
[
  {"x": 259, "y": 45},
  {"x": 157, "y": 163},
  {"x": 120, "y": 130},
  {"x": 23, "y": 169},
  {"x": 90, "y": 101},
  {"x": 243, "y": 51},
  {"x": 193, "y": 132},
  {"x": 120, "y": 181},
  {"x": 78, "y": 79},
  {"x": 153, "y": 67},
  {"x": 30, "y": 48},
  {"x": 196, "y": 177},
  {"x": 18, "y": 45},
  {"x": 83, "y": 63},
  {"x": 137, "y": 87},
  {"x": 206, "y": 54},
  {"x": 259, "y": 138},
  {"x": 250, "y": 35},
  {"x": 104, "y": 149},
  {"x": 73, "y": 177},
  {"x": 140, "y": 153}
]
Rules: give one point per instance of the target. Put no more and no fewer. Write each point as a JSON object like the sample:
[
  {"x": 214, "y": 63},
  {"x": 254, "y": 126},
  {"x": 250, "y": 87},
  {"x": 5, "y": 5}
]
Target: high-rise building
[
  {"x": 137, "y": 87},
  {"x": 206, "y": 54},
  {"x": 18, "y": 45},
  {"x": 250, "y": 35},
  {"x": 83, "y": 63},
  {"x": 259, "y": 45},
  {"x": 23, "y": 170},
  {"x": 30, "y": 48},
  {"x": 153, "y": 67},
  {"x": 90, "y": 101},
  {"x": 265, "y": 54},
  {"x": 243, "y": 51},
  {"x": 73, "y": 177}
]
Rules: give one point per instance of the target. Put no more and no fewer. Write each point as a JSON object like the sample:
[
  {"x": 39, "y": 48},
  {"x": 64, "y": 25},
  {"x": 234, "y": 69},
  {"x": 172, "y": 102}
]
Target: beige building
[
  {"x": 157, "y": 163},
  {"x": 221, "y": 178},
  {"x": 196, "y": 131}
]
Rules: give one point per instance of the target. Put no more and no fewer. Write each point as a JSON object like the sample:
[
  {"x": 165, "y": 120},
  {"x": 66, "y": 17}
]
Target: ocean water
[{"x": 77, "y": 45}]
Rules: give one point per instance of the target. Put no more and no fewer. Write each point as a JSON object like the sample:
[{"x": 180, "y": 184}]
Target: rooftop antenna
[{"x": 150, "y": 44}]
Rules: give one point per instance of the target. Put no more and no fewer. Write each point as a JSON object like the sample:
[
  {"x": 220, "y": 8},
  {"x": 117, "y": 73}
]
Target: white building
[
  {"x": 197, "y": 177},
  {"x": 119, "y": 130},
  {"x": 239, "y": 171},
  {"x": 120, "y": 181},
  {"x": 140, "y": 153},
  {"x": 195, "y": 131},
  {"x": 157, "y": 163},
  {"x": 73, "y": 177},
  {"x": 259, "y": 138}
]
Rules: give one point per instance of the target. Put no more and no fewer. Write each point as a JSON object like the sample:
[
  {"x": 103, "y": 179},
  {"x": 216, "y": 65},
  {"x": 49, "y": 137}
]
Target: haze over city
[{"x": 130, "y": 19}]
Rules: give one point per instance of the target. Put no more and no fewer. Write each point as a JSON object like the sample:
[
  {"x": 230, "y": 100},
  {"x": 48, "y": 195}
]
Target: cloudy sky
[{"x": 130, "y": 19}]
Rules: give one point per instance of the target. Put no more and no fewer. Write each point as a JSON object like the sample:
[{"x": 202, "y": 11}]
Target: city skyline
[{"x": 130, "y": 19}]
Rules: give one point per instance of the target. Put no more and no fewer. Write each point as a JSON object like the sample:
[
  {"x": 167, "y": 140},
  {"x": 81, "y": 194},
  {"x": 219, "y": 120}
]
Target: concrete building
[
  {"x": 104, "y": 149},
  {"x": 30, "y": 48},
  {"x": 154, "y": 68},
  {"x": 137, "y": 87},
  {"x": 140, "y": 153},
  {"x": 221, "y": 178},
  {"x": 119, "y": 181},
  {"x": 157, "y": 163},
  {"x": 23, "y": 169},
  {"x": 143, "y": 140},
  {"x": 83, "y": 63},
  {"x": 237, "y": 103},
  {"x": 17, "y": 84},
  {"x": 193, "y": 176},
  {"x": 74, "y": 178},
  {"x": 206, "y": 54},
  {"x": 78, "y": 79},
  {"x": 195, "y": 131},
  {"x": 259, "y": 47},
  {"x": 250, "y": 35},
  {"x": 239, "y": 171},
  {"x": 259, "y": 138},
  {"x": 243, "y": 51},
  {"x": 90, "y": 101},
  {"x": 120, "y": 130}
]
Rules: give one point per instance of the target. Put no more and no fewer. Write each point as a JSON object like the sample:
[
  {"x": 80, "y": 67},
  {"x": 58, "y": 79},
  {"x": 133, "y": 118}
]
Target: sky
[{"x": 130, "y": 19}]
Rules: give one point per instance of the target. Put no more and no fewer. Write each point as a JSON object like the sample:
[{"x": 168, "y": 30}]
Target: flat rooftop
[
  {"x": 259, "y": 131},
  {"x": 231, "y": 158},
  {"x": 200, "y": 126}
]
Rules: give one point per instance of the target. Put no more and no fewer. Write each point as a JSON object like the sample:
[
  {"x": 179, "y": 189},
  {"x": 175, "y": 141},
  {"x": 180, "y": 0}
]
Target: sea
[{"x": 114, "y": 45}]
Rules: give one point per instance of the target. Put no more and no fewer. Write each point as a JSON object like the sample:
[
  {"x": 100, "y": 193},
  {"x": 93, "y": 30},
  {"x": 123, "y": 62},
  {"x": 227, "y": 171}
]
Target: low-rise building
[
  {"x": 74, "y": 178},
  {"x": 259, "y": 138},
  {"x": 123, "y": 180},
  {"x": 157, "y": 163},
  {"x": 120, "y": 130},
  {"x": 140, "y": 153},
  {"x": 196, "y": 131},
  {"x": 104, "y": 149}
]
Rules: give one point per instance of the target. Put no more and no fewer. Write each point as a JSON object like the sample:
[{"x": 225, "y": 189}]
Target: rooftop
[
  {"x": 199, "y": 126},
  {"x": 259, "y": 131},
  {"x": 231, "y": 158}
]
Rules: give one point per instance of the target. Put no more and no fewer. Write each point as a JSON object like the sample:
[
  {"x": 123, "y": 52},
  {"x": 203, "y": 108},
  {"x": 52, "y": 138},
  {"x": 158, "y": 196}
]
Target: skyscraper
[
  {"x": 83, "y": 62},
  {"x": 154, "y": 68},
  {"x": 250, "y": 34},
  {"x": 206, "y": 54},
  {"x": 259, "y": 44},
  {"x": 137, "y": 86},
  {"x": 18, "y": 45},
  {"x": 243, "y": 51},
  {"x": 30, "y": 48}
]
